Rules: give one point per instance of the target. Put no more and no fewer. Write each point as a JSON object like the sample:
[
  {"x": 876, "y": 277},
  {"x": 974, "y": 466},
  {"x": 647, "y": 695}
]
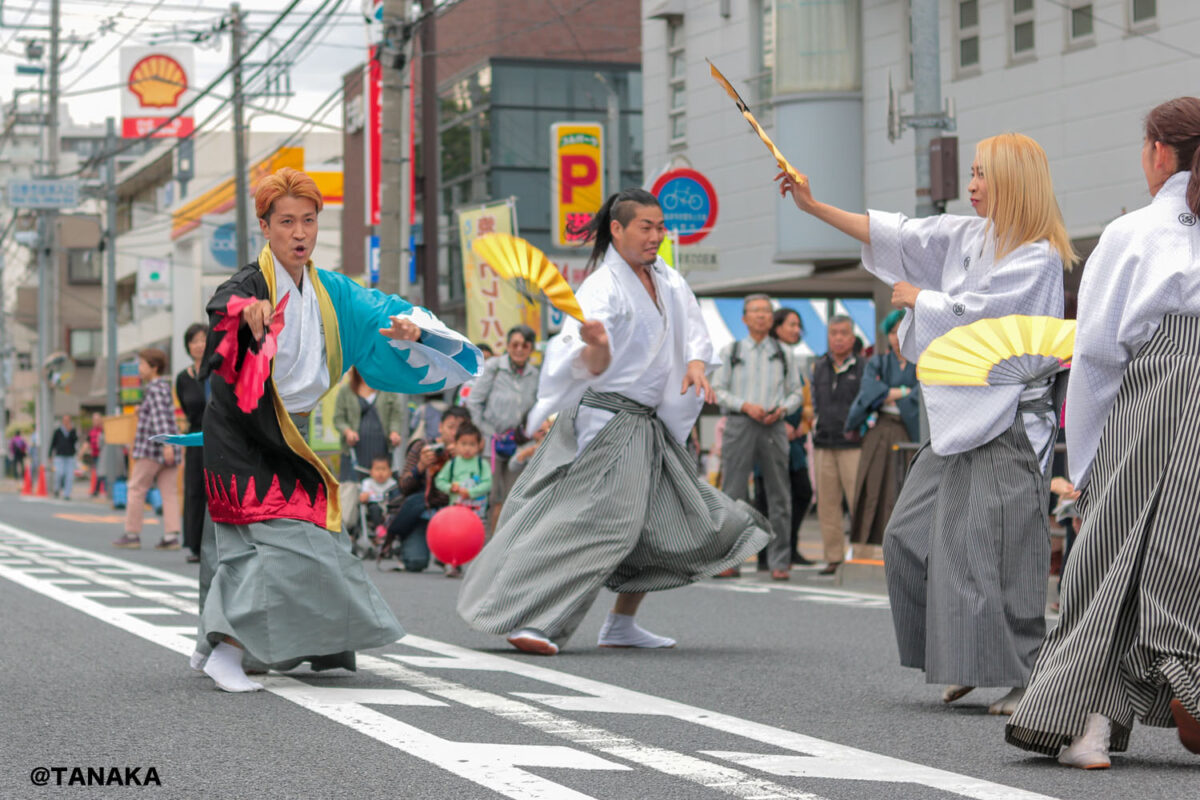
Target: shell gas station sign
[
  {"x": 155, "y": 84},
  {"x": 576, "y": 177}
]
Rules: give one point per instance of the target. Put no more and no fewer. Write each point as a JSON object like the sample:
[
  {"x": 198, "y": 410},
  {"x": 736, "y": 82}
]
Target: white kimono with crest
[
  {"x": 952, "y": 260},
  {"x": 1145, "y": 267}
]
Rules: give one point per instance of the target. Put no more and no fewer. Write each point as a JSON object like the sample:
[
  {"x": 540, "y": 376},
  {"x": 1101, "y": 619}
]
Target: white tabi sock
[
  {"x": 1007, "y": 705},
  {"x": 224, "y": 666},
  {"x": 621, "y": 631},
  {"x": 1089, "y": 751},
  {"x": 197, "y": 661}
]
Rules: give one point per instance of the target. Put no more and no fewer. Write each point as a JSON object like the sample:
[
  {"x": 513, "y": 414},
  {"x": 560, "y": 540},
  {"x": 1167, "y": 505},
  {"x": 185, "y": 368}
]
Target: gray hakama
[
  {"x": 289, "y": 591},
  {"x": 1128, "y": 640},
  {"x": 628, "y": 513},
  {"x": 967, "y": 552}
]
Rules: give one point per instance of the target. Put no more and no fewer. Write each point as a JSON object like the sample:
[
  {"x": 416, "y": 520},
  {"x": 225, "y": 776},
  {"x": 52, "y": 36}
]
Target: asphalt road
[{"x": 785, "y": 691}]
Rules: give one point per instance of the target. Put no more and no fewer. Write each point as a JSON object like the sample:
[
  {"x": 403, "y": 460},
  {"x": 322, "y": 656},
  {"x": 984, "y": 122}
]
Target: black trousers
[
  {"x": 802, "y": 495},
  {"x": 194, "y": 501}
]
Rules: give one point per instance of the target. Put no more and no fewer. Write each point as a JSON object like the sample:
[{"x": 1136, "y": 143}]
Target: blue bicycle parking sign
[{"x": 689, "y": 203}]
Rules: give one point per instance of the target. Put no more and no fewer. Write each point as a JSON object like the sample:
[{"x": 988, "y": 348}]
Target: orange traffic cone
[
  {"x": 41, "y": 486},
  {"x": 27, "y": 489}
]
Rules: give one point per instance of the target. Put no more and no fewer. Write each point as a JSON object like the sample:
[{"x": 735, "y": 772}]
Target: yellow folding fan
[
  {"x": 517, "y": 260},
  {"x": 991, "y": 352}
]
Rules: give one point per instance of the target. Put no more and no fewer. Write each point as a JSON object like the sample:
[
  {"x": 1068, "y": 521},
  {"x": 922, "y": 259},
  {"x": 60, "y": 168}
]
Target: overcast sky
[{"x": 91, "y": 74}]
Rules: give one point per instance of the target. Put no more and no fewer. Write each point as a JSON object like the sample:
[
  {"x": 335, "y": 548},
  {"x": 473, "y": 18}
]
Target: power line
[
  {"x": 128, "y": 143},
  {"x": 119, "y": 42}
]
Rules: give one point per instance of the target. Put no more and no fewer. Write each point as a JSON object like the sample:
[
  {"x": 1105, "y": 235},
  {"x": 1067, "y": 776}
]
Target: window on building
[
  {"x": 677, "y": 80},
  {"x": 1022, "y": 32},
  {"x": 84, "y": 344},
  {"x": 83, "y": 266},
  {"x": 1081, "y": 26},
  {"x": 820, "y": 46},
  {"x": 761, "y": 83},
  {"x": 967, "y": 35},
  {"x": 1142, "y": 12},
  {"x": 908, "y": 45}
]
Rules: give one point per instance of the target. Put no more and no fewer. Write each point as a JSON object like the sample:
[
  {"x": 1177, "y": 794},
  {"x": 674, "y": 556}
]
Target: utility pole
[
  {"x": 112, "y": 378},
  {"x": 241, "y": 190},
  {"x": 430, "y": 156},
  {"x": 48, "y": 255},
  {"x": 612, "y": 136},
  {"x": 395, "y": 176},
  {"x": 927, "y": 95}
]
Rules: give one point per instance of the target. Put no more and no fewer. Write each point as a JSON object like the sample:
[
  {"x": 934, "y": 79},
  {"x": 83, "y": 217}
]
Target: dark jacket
[
  {"x": 833, "y": 394},
  {"x": 882, "y": 373},
  {"x": 64, "y": 443}
]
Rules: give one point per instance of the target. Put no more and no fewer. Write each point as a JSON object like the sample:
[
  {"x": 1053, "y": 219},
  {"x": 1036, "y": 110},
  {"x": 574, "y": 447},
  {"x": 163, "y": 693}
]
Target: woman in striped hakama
[
  {"x": 967, "y": 549},
  {"x": 1128, "y": 644},
  {"x": 611, "y": 498}
]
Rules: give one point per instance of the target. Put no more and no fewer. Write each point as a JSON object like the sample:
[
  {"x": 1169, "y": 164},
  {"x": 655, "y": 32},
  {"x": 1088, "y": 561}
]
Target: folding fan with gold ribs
[
  {"x": 992, "y": 352},
  {"x": 745, "y": 109},
  {"x": 517, "y": 260}
]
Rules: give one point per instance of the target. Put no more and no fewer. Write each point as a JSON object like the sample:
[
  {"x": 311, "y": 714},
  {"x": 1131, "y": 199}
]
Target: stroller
[{"x": 372, "y": 515}]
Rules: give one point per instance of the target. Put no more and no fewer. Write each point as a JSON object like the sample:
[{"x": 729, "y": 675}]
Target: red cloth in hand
[{"x": 249, "y": 382}]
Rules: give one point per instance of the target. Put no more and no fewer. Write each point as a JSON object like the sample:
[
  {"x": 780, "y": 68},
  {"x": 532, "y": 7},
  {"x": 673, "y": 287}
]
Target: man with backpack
[{"x": 757, "y": 385}]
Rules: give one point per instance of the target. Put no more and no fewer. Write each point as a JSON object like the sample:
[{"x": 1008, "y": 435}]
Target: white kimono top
[
  {"x": 1146, "y": 266},
  {"x": 651, "y": 347},
  {"x": 952, "y": 259},
  {"x": 301, "y": 373}
]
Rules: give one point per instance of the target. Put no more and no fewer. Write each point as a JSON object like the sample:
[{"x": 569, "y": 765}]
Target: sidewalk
[{"x": 862, "y": 573}]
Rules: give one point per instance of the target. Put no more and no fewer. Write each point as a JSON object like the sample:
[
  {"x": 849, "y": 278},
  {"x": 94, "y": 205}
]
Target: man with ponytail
[
  {"x": 284, "y": 588},
  {"x": 611, "y": 498},
  {"x": 1128, "y": 644}
]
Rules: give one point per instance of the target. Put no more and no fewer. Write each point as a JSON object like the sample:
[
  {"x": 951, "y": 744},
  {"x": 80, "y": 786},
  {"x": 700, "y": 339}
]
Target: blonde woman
[{"x": 967, "y": 548}]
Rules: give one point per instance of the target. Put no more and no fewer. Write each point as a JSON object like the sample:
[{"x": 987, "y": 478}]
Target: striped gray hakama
[
  {"x": 628, "y": 513},
  {"x": 967, "y": 554},
  {"x": 1128, "y": 640},
  {"x": 288, "y": 592}
]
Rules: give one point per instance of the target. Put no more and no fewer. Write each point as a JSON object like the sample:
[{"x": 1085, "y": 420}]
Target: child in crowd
[
  {"x": 467, "y": 478},
  {"x": 525, "y": 453},
  {"x": 377, "y": 489}
]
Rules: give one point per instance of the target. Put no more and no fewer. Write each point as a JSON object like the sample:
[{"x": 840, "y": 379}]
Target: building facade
[
  {"x": 1077, "y": 76},
  {"x": 506, "y": 70}
]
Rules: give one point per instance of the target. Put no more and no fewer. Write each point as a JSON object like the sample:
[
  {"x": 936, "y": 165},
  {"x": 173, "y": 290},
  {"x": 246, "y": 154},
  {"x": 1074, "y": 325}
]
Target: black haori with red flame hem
[{"x": 245, "y": 450}]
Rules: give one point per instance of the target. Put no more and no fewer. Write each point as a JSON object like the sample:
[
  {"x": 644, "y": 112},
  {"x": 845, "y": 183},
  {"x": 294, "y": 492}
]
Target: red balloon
[{"x": 455, "y": 535}]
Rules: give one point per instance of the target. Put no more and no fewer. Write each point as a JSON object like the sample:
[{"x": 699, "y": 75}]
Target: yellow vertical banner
[
  {"x": 493, "y": 305},
  {"x": 576, "y": 177}
]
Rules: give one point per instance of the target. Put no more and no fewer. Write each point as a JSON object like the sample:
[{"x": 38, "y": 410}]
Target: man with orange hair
[{"x": 281, "y": 586}]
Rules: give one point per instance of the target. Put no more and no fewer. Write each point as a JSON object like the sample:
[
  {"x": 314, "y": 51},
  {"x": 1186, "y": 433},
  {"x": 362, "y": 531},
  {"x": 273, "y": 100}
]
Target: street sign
[
  {"x": 153, "y": 282},
  {"x": 576, "y": 177},
  {"x": 698, "y": 259},
  {"x": 372, "y": 260},
  {"x": 223, "y": 245},
  {"x": 689, "y": 203},
  {"x": 43, "y": 194}
]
